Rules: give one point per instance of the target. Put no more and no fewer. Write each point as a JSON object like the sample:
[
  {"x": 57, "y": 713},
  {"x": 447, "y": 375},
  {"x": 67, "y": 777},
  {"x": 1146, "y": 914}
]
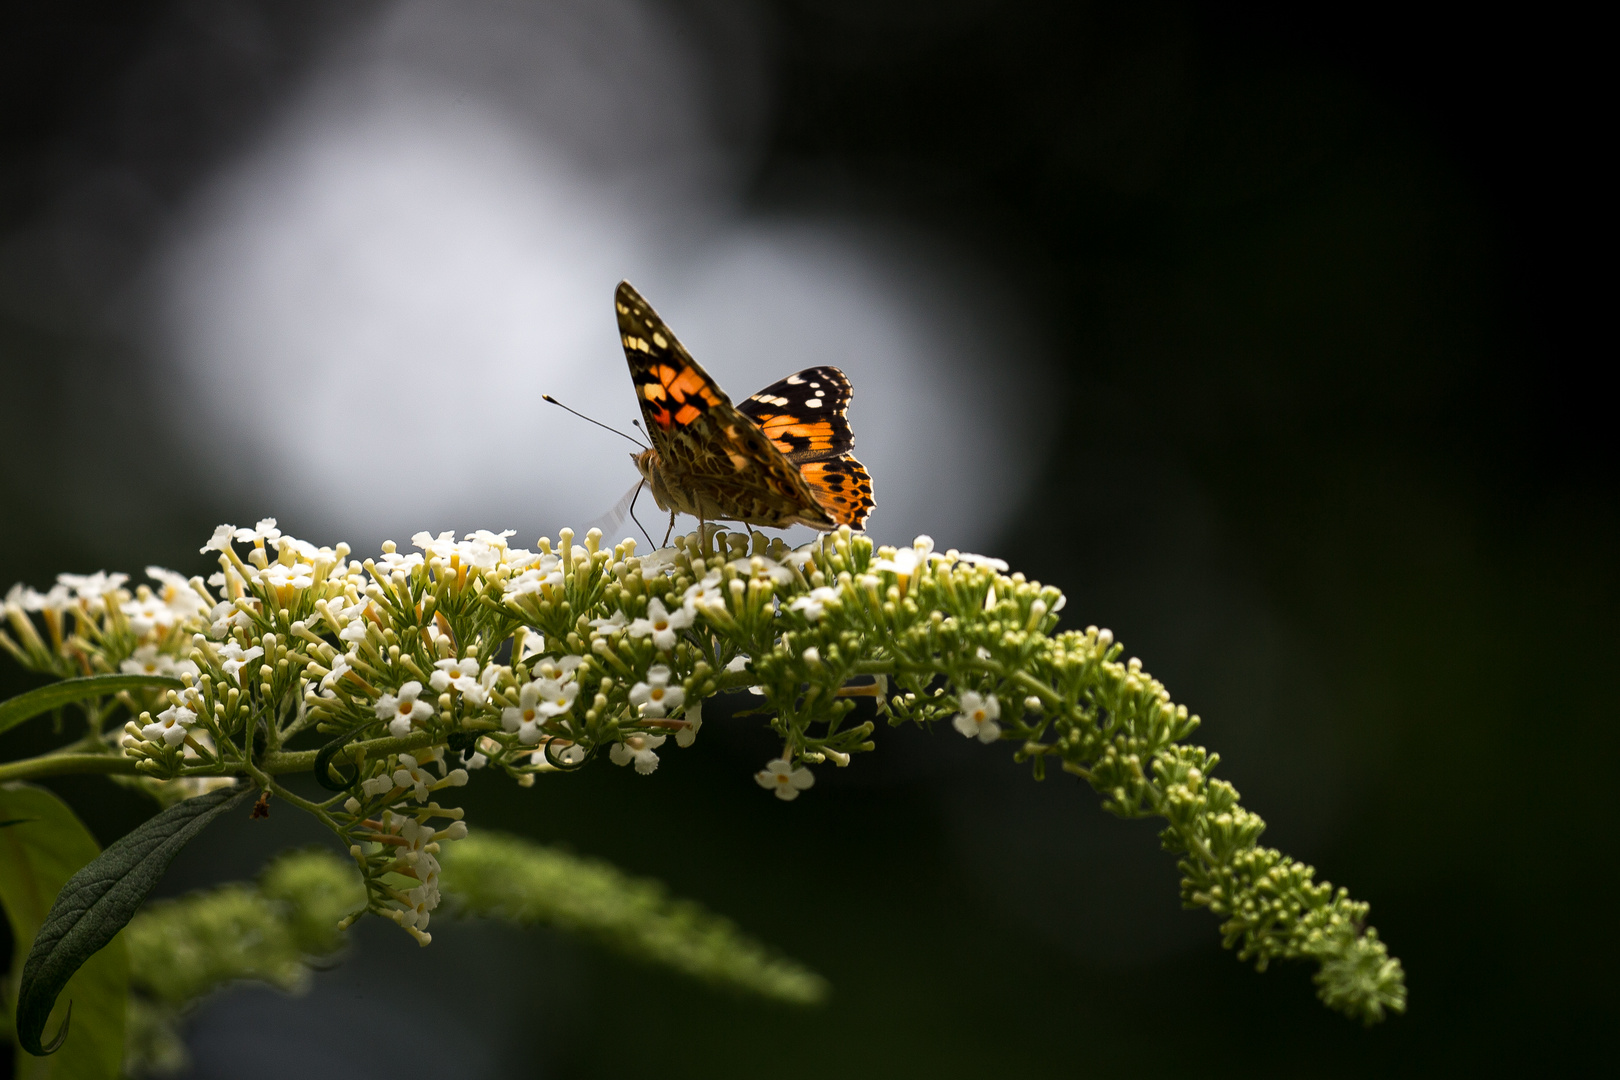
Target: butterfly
[{"x": 780, "y": 458}]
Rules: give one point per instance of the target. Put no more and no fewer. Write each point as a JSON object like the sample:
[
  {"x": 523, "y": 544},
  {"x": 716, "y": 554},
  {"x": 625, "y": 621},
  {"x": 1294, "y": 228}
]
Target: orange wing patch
[
  {"x": 799, "y": 438},
  {"x": 843, "y": 487}
]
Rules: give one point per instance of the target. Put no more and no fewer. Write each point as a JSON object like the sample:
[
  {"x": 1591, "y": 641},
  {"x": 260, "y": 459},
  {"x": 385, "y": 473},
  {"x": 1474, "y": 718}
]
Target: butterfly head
[{"x": 651, "y": 469}]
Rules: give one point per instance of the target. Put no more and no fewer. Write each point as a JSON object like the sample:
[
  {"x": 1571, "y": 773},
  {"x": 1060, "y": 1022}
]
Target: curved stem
[{"x": 70, "y": 764}]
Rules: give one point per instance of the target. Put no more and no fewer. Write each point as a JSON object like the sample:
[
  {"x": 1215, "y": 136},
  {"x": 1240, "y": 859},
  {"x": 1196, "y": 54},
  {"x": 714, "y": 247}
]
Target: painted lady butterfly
[{"x": 780, "y": 458}]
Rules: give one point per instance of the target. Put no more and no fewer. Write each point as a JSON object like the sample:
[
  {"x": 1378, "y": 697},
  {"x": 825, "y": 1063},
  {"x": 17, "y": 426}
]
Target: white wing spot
[
  {"x": 815, "y": 386},
  {"x": 794, "y": 380},
  {"x": 813, "y": 403},
  {"x": 658, "y": 339}
]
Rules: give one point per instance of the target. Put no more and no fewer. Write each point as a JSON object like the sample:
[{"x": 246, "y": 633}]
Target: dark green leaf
[
  {"x": 99, "y": 900},
  {"x": 29, "y": 705},
  {"x": 38, "y": 854}
]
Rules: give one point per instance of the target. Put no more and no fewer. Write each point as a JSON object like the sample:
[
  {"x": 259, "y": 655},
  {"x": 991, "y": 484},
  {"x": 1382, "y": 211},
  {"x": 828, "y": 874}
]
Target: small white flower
[
  {"x": 170, "y": 726},
  {"x": 56, "y": 601},
  {"x": 661, "y": 624},
  {"x": 377, "y": 785},
  {"x": 562, "y": 669},
  {"x": 534, "y": 644},
  {"x": 412, "y": 776},
  {"x": 221, "y": 540},
  {"x": 738, "y": 663},
  {"x": 781, "y": 777},
  {"x": 176, "y": 592},
  {"x": 978, "y": 717},
  {"x": 393, "y": 560},
  {"x": 998, "y": 565},
  {"x": 340, "y": 668},
  {"x": 655, "y": 696},
  {"x": 264, "y": 530},
  {"x": 236, "y": 656},
  {"x": 639, "y": 749},
  {"x": 610, "y": 625},
  {"x": 442, "y": 546},
  {"x": 461, "y": 674},
  {"x": 813, "y": 605},
  {"x": 658, "y": 562},
  {"x": 92, "y": 588},
  {"x": 761, "y": 567},
  {"x": 294, "y": 548},
  {"x": 295, "y": 575},
  {"x": 147, "y": 614},
  {"x": 906, "y": 560},
  {"x": 802, "y": 557},
  {"x": 146, "y": 660},
  {"x": 226, "y": 615},
  {"x": 705, "y": 593},
  {"x": 694, "y": 723},
  {"x": 484, "y": 549},
  {"x": 403, "y": 711},
  {"x": 556, "y": 697},
  {"x": 525, "y": 718},
  {"x": 545, "y": 575}
]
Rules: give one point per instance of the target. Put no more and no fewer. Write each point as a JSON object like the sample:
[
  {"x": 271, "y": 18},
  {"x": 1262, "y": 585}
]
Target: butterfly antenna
[{"x": 598, "y": 423}]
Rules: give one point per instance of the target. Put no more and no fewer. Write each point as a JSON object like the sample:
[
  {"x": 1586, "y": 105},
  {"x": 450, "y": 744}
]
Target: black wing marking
[{"x": 803, "y": 414}]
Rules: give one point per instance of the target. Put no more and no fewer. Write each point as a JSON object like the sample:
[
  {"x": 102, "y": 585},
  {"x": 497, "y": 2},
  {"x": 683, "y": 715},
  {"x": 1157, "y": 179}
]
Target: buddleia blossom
[
  {"x": 638, "y": 749},
  {"x": 655, "y": 697},
  {"x": 978, "y": 717},
  {"x": 412, "y": 667},
  {"x": 403, "y": 710},
  {"x": 783, "y": 780},
  {"x": 661, "y": 625}
]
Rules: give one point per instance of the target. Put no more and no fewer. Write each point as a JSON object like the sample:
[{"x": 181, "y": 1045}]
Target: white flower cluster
[
  {"x": 412, "y": 847},
  {"x": 468, "y": 654}
]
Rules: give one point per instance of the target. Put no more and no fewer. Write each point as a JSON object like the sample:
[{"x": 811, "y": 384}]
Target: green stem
[
  {"x": 72, "y": 764},
  {"x": 65, "y": 765}
]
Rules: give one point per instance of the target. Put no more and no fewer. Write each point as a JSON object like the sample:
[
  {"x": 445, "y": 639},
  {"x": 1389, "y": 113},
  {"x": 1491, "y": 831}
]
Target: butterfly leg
[
  {"x": 637, "y": 520},
  {"x": 668, "y": 532}
]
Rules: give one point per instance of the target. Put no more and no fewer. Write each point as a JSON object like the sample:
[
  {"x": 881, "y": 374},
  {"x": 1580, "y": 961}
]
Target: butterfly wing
[
  {"x": 676, "y": 395},
  {"x": 805, "y": 416},
  {"x": 843, "y": 487}
]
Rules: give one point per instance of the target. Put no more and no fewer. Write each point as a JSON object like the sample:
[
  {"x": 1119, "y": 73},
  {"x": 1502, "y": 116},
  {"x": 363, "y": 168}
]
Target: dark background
[{"x": 1332, "y": 462}]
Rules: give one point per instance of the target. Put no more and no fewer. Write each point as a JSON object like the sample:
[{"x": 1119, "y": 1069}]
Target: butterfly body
[{"x": 781, "y": 458}]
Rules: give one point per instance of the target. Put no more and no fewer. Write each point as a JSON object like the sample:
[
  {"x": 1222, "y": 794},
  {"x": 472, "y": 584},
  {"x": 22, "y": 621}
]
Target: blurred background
[{"x": 1263, "y": 333}]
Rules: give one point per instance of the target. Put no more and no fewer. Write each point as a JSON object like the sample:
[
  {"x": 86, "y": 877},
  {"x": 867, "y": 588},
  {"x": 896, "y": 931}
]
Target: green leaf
[
  {"x": 506, "y": 877},
  {"x": 99, "y": 900},
  {"x": 38, "y": 853},
  {"x": 29, "y": 705}
]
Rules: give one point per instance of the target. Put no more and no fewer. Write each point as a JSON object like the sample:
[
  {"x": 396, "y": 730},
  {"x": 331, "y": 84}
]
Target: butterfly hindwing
[
  {"x": 843, "y": 487},
  {"x": 804, "y": 414}
]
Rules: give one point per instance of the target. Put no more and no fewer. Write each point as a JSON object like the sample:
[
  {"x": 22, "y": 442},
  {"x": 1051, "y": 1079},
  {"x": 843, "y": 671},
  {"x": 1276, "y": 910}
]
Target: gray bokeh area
[
  {"x": 427, "y": 238},
  {"x": 1258, "y": 331}
]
